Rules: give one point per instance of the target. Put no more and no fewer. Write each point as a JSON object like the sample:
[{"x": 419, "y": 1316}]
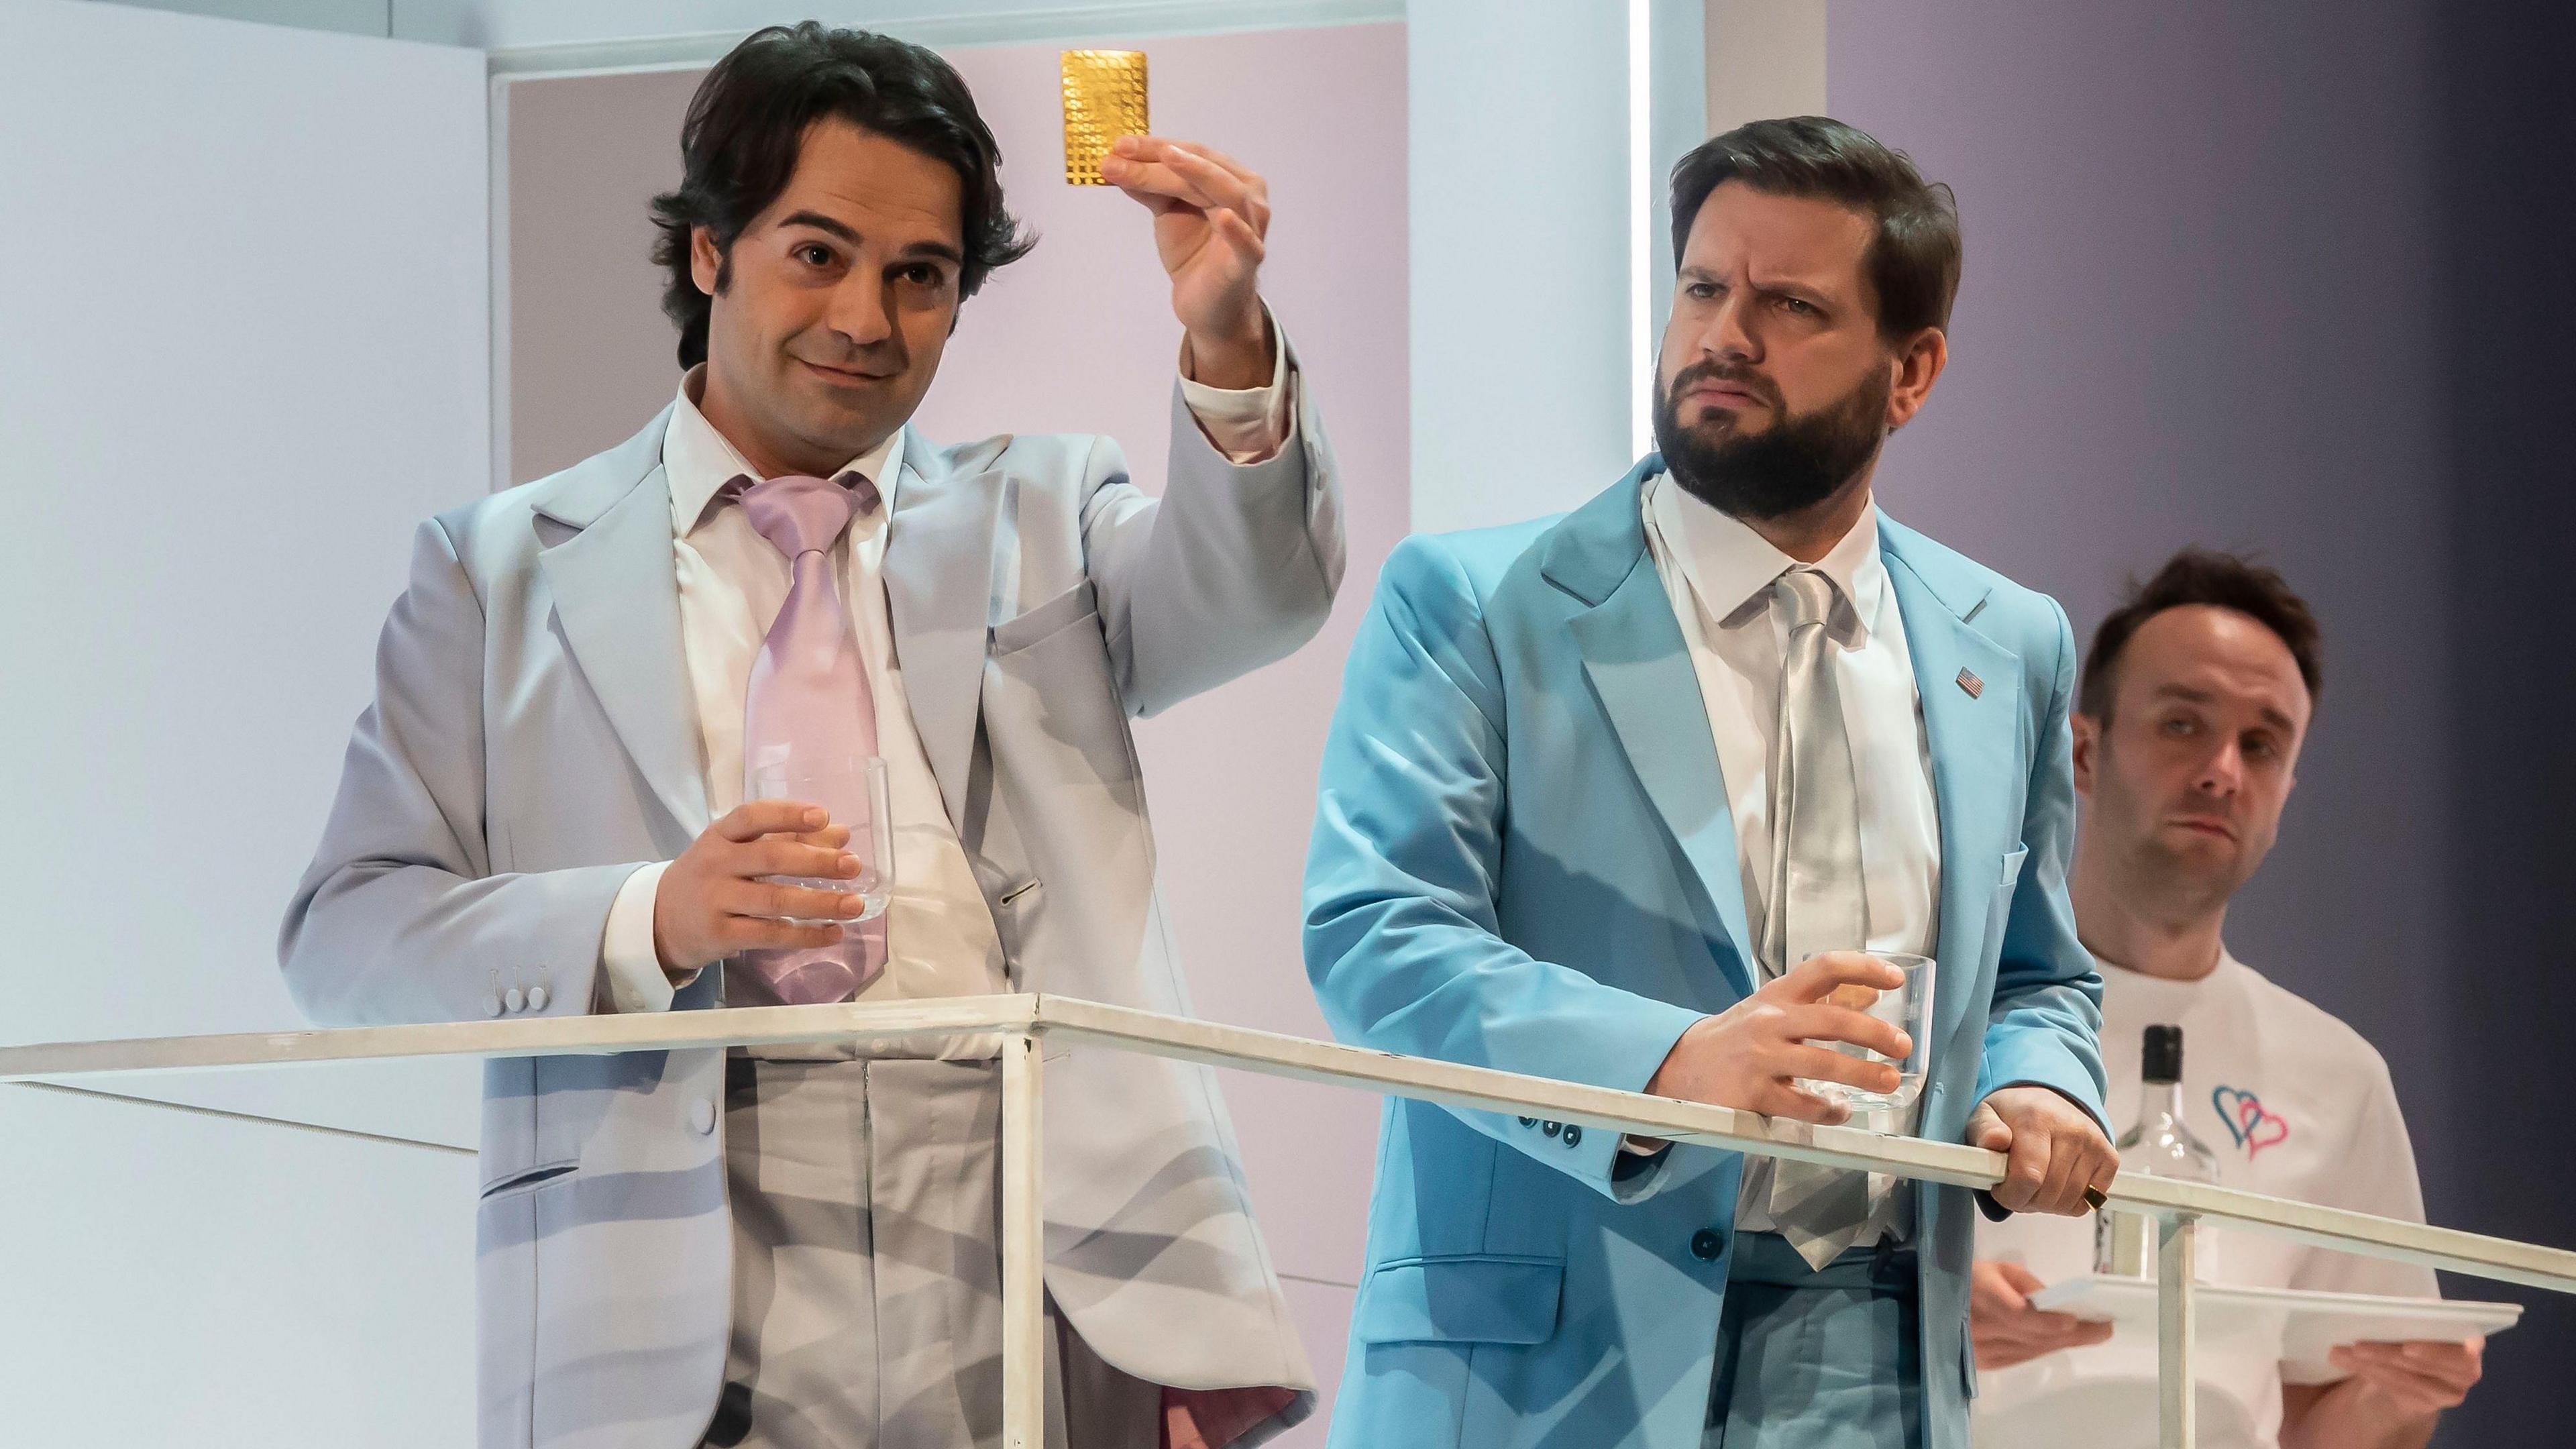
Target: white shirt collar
[
  {"x": 1731, "y": 568},
  {"x": 699, "y": 461}
]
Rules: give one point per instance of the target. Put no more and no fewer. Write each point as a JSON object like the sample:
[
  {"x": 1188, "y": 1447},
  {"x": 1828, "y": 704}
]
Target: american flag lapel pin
[{"x": 1972, "y": 684}]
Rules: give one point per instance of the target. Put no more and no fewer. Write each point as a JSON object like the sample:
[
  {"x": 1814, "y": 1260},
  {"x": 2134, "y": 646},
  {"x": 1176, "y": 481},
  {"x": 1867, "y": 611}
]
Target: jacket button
[
  {"x": 1552, "y": 1128},
  {"x": 517, "y": 999},
  {"x": 536, "y": 998},
  {"x": 702, "y": 1116},
  {"x": 1706, "y": 1245},
  {"x": 1529, "y": 1121},
  {"x": 1573, "y": 1134}
]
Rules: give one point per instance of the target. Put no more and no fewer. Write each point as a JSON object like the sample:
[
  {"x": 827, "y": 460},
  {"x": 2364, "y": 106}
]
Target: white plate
[{"x": 2306, "y": 1324}]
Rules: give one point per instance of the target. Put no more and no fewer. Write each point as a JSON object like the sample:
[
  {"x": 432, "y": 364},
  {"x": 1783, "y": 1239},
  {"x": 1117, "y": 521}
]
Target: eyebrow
[
  {"x": 930, "y": 250},
  {"x": 2189, "y": 695},
  {"x": 1801, "y": 290}
]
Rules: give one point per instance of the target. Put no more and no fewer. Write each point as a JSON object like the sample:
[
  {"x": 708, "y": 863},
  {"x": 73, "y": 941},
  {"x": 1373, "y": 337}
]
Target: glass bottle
[{"x": 2160, "y": 1145}]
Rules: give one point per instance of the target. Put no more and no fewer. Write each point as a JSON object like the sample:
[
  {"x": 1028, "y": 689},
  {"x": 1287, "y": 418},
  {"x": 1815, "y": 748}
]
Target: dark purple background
[{"x": 2294, "y": 278}]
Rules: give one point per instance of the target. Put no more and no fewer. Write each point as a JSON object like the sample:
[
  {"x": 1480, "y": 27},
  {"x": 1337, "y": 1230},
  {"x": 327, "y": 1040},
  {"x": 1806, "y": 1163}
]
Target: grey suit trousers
[{"x": 867, "y": 1309}]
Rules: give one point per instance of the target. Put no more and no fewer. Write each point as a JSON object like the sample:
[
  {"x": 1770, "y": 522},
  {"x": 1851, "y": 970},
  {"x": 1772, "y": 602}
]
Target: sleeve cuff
[
  {"x": 1250, "y": 425},
  {"x": 2066, "y": 1079},
  {"x": 631, "y": 971}
]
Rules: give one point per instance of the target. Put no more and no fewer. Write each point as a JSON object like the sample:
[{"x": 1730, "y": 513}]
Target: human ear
[
  {"x": 2088, "y": 744},
  {"x": 1917, "y": 367},
  {"x": 706, "y": 262}
]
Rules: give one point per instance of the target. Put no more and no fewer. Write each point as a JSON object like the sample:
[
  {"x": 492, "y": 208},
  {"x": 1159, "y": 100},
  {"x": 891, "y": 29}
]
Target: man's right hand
[
  {"x": 2006, "y": 1330},
  {"x": 711, "y": 903},
  {"x": 1746, "y": 1055}
]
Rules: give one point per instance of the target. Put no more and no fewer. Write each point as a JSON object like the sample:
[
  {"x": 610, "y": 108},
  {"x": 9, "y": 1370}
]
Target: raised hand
[{"x": 1211, "y": 216}]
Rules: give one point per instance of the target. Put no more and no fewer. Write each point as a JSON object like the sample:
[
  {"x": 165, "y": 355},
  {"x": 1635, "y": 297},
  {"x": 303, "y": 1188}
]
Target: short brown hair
[
  {"x": 1913, "y": 257},
  {"x": 2220, "y": 581}
]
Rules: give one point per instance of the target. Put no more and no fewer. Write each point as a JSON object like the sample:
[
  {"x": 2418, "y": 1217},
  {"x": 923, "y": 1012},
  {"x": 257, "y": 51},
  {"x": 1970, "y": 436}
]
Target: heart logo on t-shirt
[{"x": 2253, "y": 1128}]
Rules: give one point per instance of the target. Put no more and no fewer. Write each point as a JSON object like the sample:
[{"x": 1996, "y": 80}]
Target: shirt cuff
[
  {"x": 1247, "y": 425},
  {"x": 630, "y": 968}
]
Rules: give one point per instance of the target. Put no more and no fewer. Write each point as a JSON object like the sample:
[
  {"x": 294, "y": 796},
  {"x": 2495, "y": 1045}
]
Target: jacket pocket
[
  {"x": 1033, "y": 626},
  {"x": 1460, "y": 1300},
  {"x": 1999, "y": 905},
  {"x": 1052, "y": 710},
  {"x": 509, "y": 1182}
]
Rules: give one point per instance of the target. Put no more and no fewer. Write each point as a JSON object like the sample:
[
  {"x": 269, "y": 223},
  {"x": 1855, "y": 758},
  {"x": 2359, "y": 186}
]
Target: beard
[{"x": 1801, "y": 460}]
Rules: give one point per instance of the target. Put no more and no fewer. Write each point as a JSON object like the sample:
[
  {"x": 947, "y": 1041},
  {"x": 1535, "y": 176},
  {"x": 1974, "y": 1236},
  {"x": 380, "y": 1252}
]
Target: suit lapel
[
  {"x": 1973, "y": 735},
  {"x": 1640, "y": 668},
  {"x": 939, "y": 586},
  {"x": 617, "y": 601}
]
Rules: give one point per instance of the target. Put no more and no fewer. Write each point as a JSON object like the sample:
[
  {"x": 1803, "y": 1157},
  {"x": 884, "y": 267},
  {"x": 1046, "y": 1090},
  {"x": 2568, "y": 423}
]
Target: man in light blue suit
[{"x": 1636, "y": 797}]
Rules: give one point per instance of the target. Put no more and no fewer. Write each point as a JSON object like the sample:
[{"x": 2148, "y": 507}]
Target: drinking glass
[
  {"x": 1908, "y": 1008},
  {"x": 853, "y": 788}
]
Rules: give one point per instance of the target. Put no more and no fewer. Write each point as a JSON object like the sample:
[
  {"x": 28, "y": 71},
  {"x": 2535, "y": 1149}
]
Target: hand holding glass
[
  {"x": 852, "y": 788},
  {"x": 1908, "y": 1008}
]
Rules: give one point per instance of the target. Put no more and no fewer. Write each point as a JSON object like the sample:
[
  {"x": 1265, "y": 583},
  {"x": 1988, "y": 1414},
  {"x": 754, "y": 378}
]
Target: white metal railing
[{"x": 1021, "y": 1020}]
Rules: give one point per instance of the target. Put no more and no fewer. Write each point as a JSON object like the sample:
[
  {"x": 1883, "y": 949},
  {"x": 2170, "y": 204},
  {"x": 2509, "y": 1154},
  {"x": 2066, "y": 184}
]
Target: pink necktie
[{"x": 809, "y": 697}]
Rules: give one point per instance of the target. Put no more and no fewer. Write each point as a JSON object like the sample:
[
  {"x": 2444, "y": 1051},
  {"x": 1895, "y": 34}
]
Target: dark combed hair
[
  {"x": 747, "y": 125},
  {"x": 1913, "y": 257},
  {"x": 2221, "y": 581}
]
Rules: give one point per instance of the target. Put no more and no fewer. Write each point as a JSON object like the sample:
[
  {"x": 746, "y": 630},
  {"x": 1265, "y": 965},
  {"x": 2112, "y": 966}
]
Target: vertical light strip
[{"x": 1641, "y": 221}]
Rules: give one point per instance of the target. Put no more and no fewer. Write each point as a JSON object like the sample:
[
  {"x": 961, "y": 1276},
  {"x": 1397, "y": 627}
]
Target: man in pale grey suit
[{"x": 543, "y": 813}]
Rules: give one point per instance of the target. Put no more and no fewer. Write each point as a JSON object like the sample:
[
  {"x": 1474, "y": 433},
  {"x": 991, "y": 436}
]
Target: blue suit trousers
[{"x": 1825, "y": 1358}]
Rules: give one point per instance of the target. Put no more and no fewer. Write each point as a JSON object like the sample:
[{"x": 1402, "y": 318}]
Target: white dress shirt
[
  {"x": 940, "y": 937},
  {"x": 1719, "y": 573}
]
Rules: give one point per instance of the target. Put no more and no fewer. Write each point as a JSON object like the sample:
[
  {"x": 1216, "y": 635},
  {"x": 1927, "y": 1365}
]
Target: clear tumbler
[{"x": 1909, "y": 1009}]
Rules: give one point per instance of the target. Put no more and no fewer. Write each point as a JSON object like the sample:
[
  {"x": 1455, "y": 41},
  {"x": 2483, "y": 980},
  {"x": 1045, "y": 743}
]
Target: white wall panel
[
  {"x": 244, "y": 279},
  {"x": 1518, "y": 133},
  {"x": 171, "y": 1280},
  {"x": 244, "y": 275}
]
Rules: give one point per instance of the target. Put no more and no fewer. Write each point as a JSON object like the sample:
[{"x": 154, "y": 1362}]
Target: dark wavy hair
[
  {"x": 1913, "y": 257},
  {"x": 747, "y": 125},
  {"x": 2222, "y": 581}
]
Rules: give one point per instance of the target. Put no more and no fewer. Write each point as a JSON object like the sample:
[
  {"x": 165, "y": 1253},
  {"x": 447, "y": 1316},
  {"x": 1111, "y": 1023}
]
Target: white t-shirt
[{"x": 2295, "y": 1104}]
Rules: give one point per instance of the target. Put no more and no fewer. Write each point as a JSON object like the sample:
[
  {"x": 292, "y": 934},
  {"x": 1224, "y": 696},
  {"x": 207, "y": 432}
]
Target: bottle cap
[{"x": 2163, "y": 1055}]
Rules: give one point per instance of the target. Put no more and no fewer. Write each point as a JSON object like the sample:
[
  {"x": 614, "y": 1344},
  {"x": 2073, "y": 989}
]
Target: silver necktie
[{"x": 1816, "y": 901}]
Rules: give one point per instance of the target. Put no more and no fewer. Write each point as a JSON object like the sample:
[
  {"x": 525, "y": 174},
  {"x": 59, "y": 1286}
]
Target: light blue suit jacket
[{"x": 1523, "y": 858}]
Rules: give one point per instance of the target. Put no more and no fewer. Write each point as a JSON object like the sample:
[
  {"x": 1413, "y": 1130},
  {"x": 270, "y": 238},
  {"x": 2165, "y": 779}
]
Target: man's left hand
[
  {"x": 2416, "y": 1380},
  {"x": 1211, "y": 214},
  {"x": 2055, "y": 1150}
]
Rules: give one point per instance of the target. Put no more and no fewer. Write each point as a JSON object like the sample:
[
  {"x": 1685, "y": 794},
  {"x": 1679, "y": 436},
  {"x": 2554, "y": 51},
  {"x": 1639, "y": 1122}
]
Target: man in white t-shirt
[{"x": 2195, "y": 699}]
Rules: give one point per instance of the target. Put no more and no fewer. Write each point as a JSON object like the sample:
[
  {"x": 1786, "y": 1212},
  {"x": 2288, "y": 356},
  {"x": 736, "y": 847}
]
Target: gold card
[{"x": 1104, "y": 99}]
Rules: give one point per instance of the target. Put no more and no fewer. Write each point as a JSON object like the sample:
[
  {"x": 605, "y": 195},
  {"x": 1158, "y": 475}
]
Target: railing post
[
  {"x": 2177, "y": 1273},
  {"x": 1023, "y": 1248}
]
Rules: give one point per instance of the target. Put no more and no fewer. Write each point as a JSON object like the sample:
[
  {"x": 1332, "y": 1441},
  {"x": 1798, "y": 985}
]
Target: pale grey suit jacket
[{"x": 532, "y": 740}]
